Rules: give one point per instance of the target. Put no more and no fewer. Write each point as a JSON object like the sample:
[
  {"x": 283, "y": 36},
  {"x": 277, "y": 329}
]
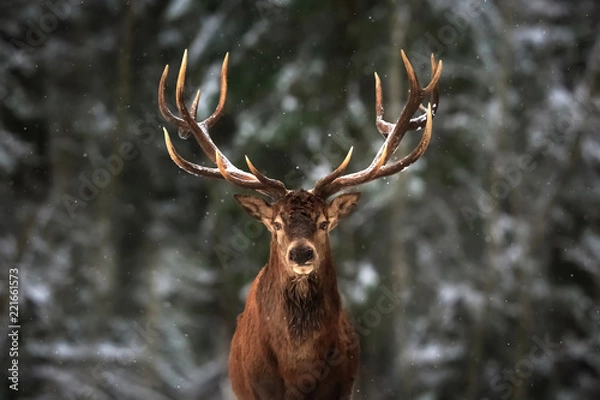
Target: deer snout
[{"x": 301, "y": 254}]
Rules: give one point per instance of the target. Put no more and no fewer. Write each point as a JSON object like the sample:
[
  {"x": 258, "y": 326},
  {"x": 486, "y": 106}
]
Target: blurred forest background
[{"x": 132, "y": 272}]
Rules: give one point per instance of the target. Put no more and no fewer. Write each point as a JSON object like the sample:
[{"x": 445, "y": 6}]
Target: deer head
[
  {"x": 299, "y": 220},
  {"x": 299, "y": 224}
]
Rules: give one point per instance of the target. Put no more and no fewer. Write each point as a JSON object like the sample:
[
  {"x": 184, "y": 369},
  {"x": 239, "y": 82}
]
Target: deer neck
[{"x": 305, "y": 302}]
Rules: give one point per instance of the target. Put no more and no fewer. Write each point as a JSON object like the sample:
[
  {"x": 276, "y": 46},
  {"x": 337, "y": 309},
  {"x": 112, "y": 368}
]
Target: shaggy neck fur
[
  {"x": 304, "y": 304},
  {"x": 309, "y": 300}
]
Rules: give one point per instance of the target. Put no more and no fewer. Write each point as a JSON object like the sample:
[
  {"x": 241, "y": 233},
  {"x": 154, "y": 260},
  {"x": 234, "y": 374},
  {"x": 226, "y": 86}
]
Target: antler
[
  {"x": 187, "y": 124},
  {"x": 393, "y": 134}
]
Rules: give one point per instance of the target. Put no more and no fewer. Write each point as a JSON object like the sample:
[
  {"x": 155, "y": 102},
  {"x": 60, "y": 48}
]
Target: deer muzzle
[{"x": 302, "y": 257}]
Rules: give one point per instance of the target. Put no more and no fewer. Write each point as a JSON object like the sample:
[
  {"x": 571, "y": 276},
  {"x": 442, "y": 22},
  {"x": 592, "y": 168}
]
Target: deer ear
[
  {"x": 340, "y": 207},
  {"x": 256, "y": 207}
]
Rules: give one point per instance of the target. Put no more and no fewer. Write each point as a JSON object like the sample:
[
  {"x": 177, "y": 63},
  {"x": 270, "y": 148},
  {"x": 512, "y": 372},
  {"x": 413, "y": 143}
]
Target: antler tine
[
  {"x": 383, "y": 126},
  {"x": 275, "y": 191},
  {"x": 412, "y": 105},
  {"x": 326, "y": 180},
  {"x": 393, "y": 133},
  {"x": 185, "y": 133},
  {"x": 187, "y": 123},
  {"x": 417, "y": 152},
  {"x": 162, "y": 105},
  {"x": 167, "y": 114},
  {"x": 190, "y": 123},
  {"x": 356, "y": 178},
  {"x": 265, "y": 179},
  {"x": 189, "y": 167},
  {"x": 416, "y": 123},
  {"x": 200, "y": 130},
  {"x": 216, "y": 115}
]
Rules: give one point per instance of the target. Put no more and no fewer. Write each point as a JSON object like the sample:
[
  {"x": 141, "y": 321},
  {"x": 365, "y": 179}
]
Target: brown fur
[{"x": 293, "y": 340}]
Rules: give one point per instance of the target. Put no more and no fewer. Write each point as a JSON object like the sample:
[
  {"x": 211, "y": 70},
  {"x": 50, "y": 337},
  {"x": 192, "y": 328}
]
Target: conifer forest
[{"x": 472, "y": 275}]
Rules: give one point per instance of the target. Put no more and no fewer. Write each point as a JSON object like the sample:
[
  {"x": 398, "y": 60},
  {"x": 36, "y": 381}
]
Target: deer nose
[{"x": 301, "y": 254}]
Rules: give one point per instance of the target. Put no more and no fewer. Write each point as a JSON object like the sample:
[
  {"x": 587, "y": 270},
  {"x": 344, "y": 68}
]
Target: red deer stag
[{"x": 293, "y": 340}]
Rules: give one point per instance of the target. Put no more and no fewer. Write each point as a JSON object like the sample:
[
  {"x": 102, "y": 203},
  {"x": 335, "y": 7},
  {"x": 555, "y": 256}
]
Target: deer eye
[
  {"x": 277, "y": 226},
  {"x": 323, "y": 225}
]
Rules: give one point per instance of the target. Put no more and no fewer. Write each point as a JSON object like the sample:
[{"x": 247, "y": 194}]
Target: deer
[{"x": 294, "y": 340}]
